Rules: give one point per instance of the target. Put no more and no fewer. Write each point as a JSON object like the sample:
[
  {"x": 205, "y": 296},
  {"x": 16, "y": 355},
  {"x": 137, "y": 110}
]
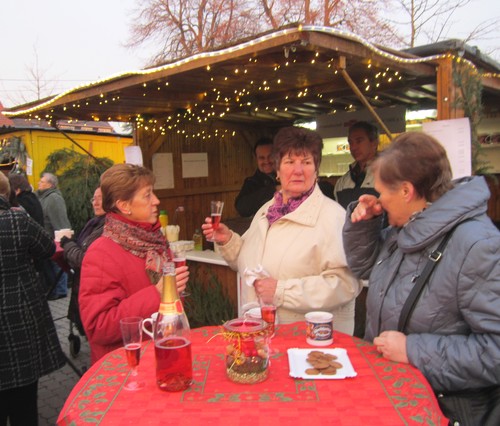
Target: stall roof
[{"x": 275, "y": 78}]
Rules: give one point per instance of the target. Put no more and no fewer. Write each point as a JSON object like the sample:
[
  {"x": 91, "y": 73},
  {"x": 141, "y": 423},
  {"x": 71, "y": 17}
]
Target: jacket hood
[{"x": 468, "y": 199}]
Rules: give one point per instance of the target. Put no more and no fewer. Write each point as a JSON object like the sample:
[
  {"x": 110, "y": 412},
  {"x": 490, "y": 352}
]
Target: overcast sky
[{"x": 79, "y": 42}]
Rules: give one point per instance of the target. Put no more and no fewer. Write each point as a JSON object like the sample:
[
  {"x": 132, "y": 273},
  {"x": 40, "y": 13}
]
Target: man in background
[
  {"x": 363, "y": 139},
  {"x": 261, "y": 186},
  {"x": 55, "y": 217}
]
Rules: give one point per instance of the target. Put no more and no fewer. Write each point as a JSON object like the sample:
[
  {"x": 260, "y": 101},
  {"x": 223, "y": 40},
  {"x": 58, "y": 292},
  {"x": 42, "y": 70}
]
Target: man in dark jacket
[{"x": 260, "y": 187}]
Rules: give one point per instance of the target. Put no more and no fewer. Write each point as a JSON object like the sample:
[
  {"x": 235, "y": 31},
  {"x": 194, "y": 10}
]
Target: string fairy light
[{"x": 244, "y": 99}]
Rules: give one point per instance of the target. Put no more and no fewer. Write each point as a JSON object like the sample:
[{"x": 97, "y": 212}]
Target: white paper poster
[
  {"x": 455, "y": 136},
  {"x": 163, "y": 169},
  {"x": 133, "y": 155},
  {"x": 29, "y": 166},
  {"x": 195, "y": 165}
]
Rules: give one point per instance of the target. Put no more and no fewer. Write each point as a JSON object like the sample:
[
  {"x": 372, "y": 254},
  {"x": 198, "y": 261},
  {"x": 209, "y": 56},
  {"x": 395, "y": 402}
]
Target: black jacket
[
  {"x": 256, "y": 190},
  {"x": 30, "y": 202}
]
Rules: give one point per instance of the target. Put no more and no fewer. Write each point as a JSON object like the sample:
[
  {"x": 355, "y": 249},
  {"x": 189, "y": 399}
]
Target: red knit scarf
[{"x": 142, "y": 240}]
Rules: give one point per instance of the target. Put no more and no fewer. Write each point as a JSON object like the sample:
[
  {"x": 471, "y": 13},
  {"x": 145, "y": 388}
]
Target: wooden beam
[
  {"x": 360, "y": 53},
  {"x": 364, "y": 101}
]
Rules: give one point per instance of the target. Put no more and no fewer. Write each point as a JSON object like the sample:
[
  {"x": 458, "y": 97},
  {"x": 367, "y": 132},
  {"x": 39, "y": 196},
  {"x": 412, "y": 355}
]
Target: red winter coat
[{"x": 114, "y": 285}]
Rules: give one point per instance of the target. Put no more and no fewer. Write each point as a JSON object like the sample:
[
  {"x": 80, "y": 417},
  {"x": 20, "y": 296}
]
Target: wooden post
[{"x": 447, "y": 107}]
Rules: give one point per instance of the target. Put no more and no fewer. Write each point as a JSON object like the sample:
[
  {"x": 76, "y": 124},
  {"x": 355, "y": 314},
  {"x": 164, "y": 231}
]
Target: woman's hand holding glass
[{"x": 222, "y": 236}]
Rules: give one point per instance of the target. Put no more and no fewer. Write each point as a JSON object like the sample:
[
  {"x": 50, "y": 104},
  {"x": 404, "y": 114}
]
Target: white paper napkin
[{"x": 250, "y": 275}]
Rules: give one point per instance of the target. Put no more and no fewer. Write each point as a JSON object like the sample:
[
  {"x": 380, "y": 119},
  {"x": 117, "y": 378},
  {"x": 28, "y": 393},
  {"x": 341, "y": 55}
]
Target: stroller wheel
[{"x": 74, "y": 345}]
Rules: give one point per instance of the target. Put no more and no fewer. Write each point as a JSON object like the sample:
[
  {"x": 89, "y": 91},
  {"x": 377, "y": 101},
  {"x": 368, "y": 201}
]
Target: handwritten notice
[
  {"x": 133, "y": 155},
  {"x": 195, "y": 165},
  {"x": 455, "y": 137},
  {"x": 29, "y": 166},
  {"x": 163, "y": 169}
]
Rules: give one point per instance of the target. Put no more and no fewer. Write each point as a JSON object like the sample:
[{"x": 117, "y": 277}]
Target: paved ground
[{"x": 55, "y": 388}]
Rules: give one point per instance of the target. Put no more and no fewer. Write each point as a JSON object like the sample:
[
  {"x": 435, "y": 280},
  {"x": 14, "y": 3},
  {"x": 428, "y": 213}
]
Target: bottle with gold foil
[{"x": 174, "y": 369}]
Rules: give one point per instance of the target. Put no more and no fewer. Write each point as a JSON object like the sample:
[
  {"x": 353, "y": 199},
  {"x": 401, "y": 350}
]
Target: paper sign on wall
[
  {"x": 163, "y": 169},
  {"x": 455, "y": 137},
  {"x": 133, "y": 155},
  {"x": 195, "y": 165}
]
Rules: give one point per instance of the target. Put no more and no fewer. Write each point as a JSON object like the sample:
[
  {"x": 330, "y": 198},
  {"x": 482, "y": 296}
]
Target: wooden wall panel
[{"x": 230, "y": 160}]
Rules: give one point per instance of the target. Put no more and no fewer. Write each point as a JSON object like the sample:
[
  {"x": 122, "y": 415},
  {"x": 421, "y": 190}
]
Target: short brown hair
[
  {"x": 121, "y": 182},
  {"x": 417, "y": 158},
  {"x": 19, "y": 181},
  {"x": 297, "y": 140}
]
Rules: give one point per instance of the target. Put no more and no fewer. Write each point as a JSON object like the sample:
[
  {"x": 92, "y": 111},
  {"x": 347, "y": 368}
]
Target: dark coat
[
  {"x": 29, "y": 202},
  {"x": 256, "y": 190},
  {"x": 73, "y": 255},
  {"x": 29, "y": 346}
]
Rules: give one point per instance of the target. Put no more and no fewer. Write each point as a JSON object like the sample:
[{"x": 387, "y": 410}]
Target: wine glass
[
  {"x": 131, "y": 329},
  {"x": 268, "y": 314},
  {"x": 216, "y": 214},
  {"x": 179, "y": 258}
]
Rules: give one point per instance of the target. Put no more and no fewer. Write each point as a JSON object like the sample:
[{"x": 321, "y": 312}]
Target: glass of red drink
[
  {"x": 268, "y": 314},
  {"x": 180, "y": 260},
  {"x": 131, "y": 329},
  {"x": 216, "y": 214},
  {"x": 174, "y": 370}
]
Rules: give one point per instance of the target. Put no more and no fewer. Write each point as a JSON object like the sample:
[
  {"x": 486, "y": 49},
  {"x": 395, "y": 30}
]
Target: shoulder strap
[{"x": 411, "y": 301}]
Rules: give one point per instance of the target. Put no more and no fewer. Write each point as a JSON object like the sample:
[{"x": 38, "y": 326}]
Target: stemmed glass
[
  {"x": 131, "y": 329},
  {"x": 216, "y": 214},
  {"x": 268, "y": 314},
  {"x": 180, "y": 260}
]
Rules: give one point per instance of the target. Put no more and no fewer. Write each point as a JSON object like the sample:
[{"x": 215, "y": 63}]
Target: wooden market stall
[{"x": 211, "y": 107}]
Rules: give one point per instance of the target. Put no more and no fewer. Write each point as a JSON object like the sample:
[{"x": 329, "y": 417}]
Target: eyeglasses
[{"x": 95, "y": 199}]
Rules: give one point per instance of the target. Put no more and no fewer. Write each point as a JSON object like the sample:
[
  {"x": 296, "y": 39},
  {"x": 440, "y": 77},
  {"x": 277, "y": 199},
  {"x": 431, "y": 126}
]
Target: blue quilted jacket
[{"x": 454, "y": 331}]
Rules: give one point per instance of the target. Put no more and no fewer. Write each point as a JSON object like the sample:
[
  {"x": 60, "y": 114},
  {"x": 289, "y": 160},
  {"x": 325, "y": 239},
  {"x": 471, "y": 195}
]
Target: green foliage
[
  {"x": 208, "y": 303},
  {"x": 468, "y": 82},
  {"x": 78, "y": 176}
]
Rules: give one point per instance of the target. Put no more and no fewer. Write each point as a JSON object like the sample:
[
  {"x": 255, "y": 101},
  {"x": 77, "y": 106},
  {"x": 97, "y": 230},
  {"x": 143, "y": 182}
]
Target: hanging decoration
[{"x": 13, "y": 154}]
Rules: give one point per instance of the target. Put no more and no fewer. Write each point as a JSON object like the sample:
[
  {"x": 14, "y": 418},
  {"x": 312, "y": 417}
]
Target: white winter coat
[{"x": 303, "y": 250}]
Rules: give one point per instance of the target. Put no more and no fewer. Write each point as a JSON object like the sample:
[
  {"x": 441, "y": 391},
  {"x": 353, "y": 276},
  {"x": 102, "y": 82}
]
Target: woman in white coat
[{"x": 292, "y": 255}]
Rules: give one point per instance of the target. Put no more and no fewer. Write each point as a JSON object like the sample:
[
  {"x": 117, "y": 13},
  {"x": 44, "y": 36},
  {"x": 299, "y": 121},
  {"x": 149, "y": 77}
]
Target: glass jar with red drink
[{"x": 247, "y": 352}]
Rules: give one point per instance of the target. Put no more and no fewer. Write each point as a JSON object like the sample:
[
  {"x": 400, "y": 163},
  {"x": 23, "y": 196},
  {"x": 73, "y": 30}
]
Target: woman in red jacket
[{"x": 121, "y": 271}]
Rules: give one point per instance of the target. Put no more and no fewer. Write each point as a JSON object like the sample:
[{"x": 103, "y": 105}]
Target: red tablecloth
[{"x": 382, "y": 393}]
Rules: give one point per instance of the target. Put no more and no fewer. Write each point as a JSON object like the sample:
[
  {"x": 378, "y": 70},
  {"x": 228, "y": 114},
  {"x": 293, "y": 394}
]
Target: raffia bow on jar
[{"x": 247, "y": 354}]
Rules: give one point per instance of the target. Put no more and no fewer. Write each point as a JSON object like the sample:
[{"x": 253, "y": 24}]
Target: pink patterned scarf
[
  {"x": 142, "y": 240},
  {"x": 279, "y": 209}
]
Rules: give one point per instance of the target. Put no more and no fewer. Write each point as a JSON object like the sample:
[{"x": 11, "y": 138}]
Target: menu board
[{"x": 455, "y": 137}]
